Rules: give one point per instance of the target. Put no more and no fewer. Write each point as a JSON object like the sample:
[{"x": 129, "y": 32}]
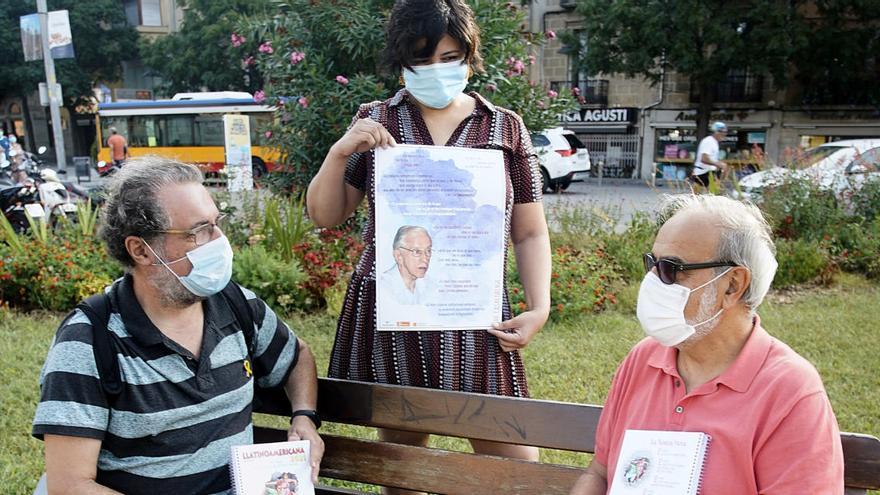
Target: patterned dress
[{"x": 470, "y": 361}]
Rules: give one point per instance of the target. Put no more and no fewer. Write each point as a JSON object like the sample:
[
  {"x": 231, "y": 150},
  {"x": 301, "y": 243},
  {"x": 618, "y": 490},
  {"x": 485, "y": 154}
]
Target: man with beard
[
  {"x": 187, "y": 368},
  {"x": 709, "y": 366},
  {"x": 406, "y": 281}
]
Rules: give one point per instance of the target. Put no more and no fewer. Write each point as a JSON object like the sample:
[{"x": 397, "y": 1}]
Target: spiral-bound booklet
[
  {"x": 280, "y": 468},
  {"x": 660, "y": 463}
]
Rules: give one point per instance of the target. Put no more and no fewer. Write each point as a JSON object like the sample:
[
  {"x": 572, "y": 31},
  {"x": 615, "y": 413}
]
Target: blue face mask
[
  {"x": 211, "y": 267},
  {"x": 436, "y": 85}
]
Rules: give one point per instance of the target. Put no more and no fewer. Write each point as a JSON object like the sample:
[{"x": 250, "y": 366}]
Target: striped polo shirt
[{"x": 171, "y": 428}]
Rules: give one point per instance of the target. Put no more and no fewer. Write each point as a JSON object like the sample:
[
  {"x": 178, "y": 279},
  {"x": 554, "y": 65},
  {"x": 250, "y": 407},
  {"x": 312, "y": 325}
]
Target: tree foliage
[
  {"x": 101, "y": 41},
  {"x": 697, "y": 38},
  {"x": 320, "y": 60},
  {"x": 840, "y": 64},
  {"x": 199, "y": 56}
]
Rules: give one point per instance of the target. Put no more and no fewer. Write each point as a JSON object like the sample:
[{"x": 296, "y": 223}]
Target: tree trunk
[{"x": 704, "y": 108}]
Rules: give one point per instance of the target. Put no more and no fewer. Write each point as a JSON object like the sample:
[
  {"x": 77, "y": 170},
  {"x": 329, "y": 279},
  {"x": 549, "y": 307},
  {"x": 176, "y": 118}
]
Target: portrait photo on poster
[{"x": 439, "y": 237}]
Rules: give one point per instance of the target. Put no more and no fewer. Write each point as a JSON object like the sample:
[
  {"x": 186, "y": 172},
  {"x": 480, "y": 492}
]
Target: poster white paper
[
  {"x": 439, "y": 237},
  {"x": 60, "y": 39},
  {"x": 237, "y": 133}
]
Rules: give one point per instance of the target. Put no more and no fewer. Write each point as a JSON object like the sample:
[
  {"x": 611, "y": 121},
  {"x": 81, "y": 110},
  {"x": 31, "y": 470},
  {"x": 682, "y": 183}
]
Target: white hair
[
  {"x": 745, "y": 237},
  {"x": 404, "y": 231}
]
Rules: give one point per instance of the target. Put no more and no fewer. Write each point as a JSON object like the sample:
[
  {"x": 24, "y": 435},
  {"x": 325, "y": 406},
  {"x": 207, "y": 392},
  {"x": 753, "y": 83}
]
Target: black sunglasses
[{"x": 667, "y": 269}]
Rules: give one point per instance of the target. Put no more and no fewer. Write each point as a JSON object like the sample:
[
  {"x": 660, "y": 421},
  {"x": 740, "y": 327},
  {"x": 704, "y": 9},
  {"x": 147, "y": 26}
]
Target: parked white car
[
  {"x": 562, "y": 156},
  {"x": 839, "y": 166}
]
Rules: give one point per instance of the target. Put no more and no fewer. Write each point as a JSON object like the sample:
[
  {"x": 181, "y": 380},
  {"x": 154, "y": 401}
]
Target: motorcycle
[
  {"x": 57, "y": 200},
  {"x": 106, "y": 169},
  {"x": 17, "y": 202},
  {"x": 5, "y": 172}
]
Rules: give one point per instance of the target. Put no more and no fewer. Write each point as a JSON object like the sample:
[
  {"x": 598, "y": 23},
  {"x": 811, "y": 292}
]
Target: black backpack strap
[
  {"x": 269, "y": 400},
  {"x": 97, "y": 309},
  {"x": 244, "y": 315}
]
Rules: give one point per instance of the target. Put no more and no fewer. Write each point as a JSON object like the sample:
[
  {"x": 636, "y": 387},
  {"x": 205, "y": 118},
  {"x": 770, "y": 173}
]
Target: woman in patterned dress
[{"x": 434, "y": 44}]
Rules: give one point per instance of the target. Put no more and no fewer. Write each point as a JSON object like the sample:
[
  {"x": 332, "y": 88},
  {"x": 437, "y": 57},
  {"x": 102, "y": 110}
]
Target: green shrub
[
  {"x": 798, "y": 209},
  {"x": 627, "y": 248},
  {"x": 55, "y": 275},
  {"x": 276, "y": 281},
  {"x": 866, "y": 200},
  {"x": 244, "y": 212},
  {"x": 857, "y": 248},
  {"x": 801, "y": 261},
  {"x": 580, "y": 282},
  {"x": 325, "y": 60},
  {"x": 328, "y": 257}
]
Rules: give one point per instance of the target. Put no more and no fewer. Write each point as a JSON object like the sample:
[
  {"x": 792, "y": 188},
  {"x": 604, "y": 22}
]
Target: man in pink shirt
[{"x": 708, "y": 365}]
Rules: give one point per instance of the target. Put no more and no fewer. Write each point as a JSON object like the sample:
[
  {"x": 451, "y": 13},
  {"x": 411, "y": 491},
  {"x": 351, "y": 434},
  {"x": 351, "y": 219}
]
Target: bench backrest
[{"x": 548, "y": 424}]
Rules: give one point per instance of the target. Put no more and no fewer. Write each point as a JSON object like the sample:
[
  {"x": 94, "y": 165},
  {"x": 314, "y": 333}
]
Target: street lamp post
[{"x": 54, "y": 99}]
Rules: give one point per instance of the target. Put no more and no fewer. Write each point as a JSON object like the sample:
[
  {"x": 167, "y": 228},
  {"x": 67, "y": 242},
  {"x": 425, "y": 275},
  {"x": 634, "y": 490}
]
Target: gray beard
[
  {"x": 172, "y": 293},
  {"x": 707, "y": 310}
]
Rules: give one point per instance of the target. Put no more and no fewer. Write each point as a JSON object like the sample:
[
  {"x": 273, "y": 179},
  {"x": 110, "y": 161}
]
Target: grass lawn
[{"x": 835, "y": 328}]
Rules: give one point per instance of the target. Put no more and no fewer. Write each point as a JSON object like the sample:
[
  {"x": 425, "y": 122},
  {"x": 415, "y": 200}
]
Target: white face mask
[
  {"x": 660, "y": 309},
  {"x": 436, "y": 85},
  {"x": 211, "y": 267}
]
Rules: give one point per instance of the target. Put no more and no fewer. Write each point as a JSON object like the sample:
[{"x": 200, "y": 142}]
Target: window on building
[
  {"x": 576, "y": 48},
  {"x": 143, "y": 12},
  {"x": 738, "y": 86}
]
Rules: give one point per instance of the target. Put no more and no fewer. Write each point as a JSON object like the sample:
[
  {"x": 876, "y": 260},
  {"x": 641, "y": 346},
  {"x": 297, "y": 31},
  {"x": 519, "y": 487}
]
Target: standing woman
[{"x": 434, "y": 44}]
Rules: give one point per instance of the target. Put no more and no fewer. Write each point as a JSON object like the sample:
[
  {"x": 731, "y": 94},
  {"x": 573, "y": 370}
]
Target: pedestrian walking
[
  {"x": 118, "y": 147},
  {"x": 708, "y": 153}
]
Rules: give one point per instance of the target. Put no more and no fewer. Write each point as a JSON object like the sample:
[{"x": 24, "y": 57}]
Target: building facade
[{"x": 638, "y": 130}]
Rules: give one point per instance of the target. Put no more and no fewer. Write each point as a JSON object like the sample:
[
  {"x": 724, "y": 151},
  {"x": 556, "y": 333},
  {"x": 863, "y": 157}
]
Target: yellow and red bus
[{"x": 189, "y": 128}]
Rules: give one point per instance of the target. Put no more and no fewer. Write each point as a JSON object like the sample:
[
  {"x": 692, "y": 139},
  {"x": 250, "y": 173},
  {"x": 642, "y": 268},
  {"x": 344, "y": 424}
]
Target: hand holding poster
[{"x": 439, "y": 237}]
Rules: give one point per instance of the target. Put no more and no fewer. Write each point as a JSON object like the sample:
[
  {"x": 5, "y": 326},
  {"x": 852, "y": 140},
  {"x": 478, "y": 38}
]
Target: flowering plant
[
  {"x": 321, "y": 59},
  {"x": 580, "y": 283}
]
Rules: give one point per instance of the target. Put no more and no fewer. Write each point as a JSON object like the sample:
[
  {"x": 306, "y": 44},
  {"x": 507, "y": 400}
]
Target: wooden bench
[{"x": 548, "y": 424}]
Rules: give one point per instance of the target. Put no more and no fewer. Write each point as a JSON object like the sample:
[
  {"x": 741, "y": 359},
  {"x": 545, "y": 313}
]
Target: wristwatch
[{"x": 309, "y": 413}]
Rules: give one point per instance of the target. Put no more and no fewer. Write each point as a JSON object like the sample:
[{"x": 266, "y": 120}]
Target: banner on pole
[{"x": 60, "y": 38}]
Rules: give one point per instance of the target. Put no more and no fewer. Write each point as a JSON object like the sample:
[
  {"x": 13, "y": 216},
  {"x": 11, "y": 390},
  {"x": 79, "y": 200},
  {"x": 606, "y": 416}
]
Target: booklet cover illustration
[{"x": 280, "y": 468}]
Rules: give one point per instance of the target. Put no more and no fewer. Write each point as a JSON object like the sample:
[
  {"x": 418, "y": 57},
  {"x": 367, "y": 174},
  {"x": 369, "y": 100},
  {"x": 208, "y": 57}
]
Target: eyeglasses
[
  {"x": 201, "y": 234},
  {"x": 418, "y": 253},
  {"x": 668, "y": 269}
]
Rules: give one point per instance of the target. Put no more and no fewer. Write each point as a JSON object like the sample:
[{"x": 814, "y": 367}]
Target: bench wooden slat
[
  {"x": 433, "y": 470},
  {"x": 332, "y": 490},
  {"x": 548, "y": 424},
  {"x": 862, "y": 466},
  {"x": 457, "y": 414}
]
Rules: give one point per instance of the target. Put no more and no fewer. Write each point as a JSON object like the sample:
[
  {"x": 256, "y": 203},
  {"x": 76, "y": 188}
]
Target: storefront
[
  {"x": 811, "y": 127},
  {"x": 756, "y": 136},
  {"x": 670, "y": 141},
  {"x": 610, "y": 135}
]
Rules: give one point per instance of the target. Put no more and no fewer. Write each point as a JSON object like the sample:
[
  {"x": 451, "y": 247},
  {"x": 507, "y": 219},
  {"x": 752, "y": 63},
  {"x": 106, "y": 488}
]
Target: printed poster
[
  {"x": 237, "y": 138},
  {"x": 60, "y": 38},
  {"x": 440, "y": 214}
]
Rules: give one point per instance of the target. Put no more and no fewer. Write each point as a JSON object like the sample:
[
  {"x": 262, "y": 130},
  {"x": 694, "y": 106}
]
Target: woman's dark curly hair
[{"x": 416, "y": 26}]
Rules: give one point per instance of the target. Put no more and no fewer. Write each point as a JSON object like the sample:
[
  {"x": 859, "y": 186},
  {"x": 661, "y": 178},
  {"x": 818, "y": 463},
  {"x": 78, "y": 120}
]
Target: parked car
[
  {"x": 563, "y": 157},
  {"x": 839, "y": 166}
]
